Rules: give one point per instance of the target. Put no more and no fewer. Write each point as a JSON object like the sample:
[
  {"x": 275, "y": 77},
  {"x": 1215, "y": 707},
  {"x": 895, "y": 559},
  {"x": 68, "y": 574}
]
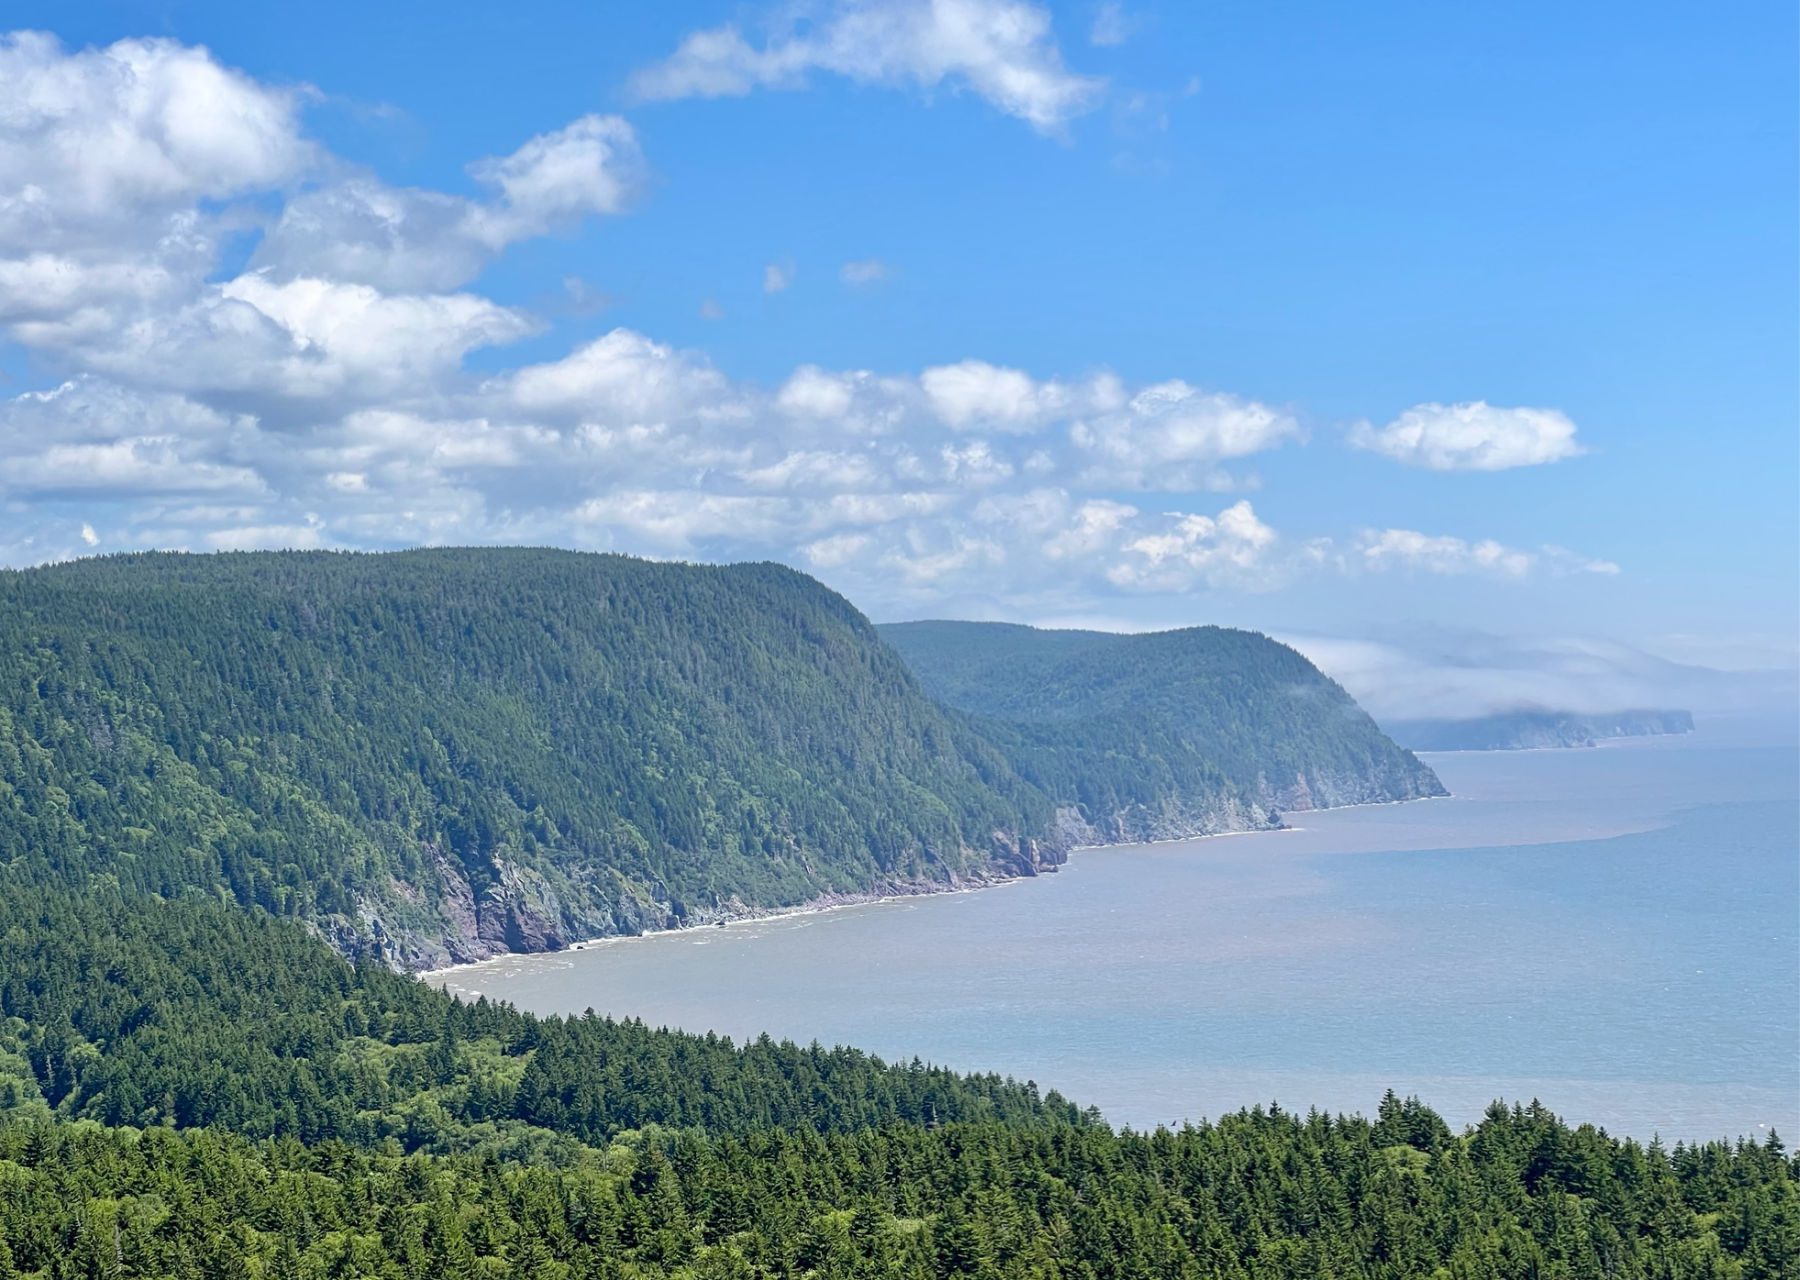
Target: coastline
[
  {"x": 830, "y": 902},
  {"x": 821, "y": 905}
]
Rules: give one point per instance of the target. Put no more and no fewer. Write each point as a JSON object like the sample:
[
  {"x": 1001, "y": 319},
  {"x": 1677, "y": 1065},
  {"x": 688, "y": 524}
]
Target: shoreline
[
  {"x": 830, "y": 902},
  {"x": 822, "y": 905}
]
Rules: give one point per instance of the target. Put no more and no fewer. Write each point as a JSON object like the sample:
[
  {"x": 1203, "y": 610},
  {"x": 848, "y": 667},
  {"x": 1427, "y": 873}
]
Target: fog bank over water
[{"x": 1428, "y": 673}]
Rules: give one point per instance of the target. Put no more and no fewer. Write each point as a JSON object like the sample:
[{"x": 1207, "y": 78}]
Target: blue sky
[{"x": 1538, "y": 261}]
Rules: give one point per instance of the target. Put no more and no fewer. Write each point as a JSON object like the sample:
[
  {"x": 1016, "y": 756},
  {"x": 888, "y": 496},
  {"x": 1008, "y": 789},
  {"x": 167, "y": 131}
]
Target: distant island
[{"x": 1526, "y": 730}]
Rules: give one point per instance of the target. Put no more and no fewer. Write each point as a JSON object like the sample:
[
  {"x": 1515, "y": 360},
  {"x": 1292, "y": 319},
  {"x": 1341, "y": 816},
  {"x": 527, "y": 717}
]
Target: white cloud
[
  {"x": 1173, "y": 436},
  {"x": 1003, "y": 50},
  {"x": 48, "y": 287},
  {"x": 839, "y": 548},
  {"x": 92, "y": 141},
  {"x": 306, "y": 535},
  {"x": 1234, "y": 548},
  {"x": 1382, "y": 549},
  {"x": 816, "y": 470},
  {"x": 974, "y": 465},
  {"x": 621, "y": 378},
  {"x": 975, "y": 393},
  {"x": 353, "y": 330},
  {"x": 121, "y": 169},
  {"x": 777, "y": 276},
  {"x": 1475, "y": 436},
  {"x": 591, "y": 165},
  {"x": 411, "y": 240},
  {"x": 95, "y": 440},
  {"x": 863, "y": 272},
  {"x": 678, "y": 520},
  {"x": 132, "y": 468},
  {"x": 855, "y": 400},
  {"x": 301, "y": 339}
]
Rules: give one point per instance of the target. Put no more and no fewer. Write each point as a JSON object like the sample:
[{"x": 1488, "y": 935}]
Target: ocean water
[{"x": 1613, "y": 931}]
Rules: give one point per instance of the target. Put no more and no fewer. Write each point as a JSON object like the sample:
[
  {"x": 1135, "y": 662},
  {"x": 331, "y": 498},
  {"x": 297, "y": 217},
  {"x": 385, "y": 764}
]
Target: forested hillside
[
  {"x": 1165, "y": 734},
  {"x": 439, "y": 755},
  {"x": 435, "y": 756},
  {"x": 134, "y": 1011},
  {"x": 359, "y": 1123}
]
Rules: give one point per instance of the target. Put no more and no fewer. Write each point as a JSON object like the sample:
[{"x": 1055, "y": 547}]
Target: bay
[{"x": 1614, "y": 931}]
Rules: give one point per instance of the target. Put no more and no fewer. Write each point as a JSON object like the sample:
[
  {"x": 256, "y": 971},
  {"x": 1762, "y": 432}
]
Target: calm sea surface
[{"x": 1615, "y": 931}]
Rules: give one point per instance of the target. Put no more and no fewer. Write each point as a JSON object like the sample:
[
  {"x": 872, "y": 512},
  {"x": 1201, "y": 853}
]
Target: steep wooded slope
[
  {"x": 443, "y": 754},
  {"x": 1165, "y": 734}
]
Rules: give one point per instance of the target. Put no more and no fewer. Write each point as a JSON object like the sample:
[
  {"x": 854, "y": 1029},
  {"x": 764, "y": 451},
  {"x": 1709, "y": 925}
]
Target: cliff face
[{"x": 1537, "y": 729}]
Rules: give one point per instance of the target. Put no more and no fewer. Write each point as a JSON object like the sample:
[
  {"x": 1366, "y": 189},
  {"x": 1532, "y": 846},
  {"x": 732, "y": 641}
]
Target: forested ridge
[
  {"x": 189, "y": 1089},
  {"x": 1163, "y": 734},
  {"x": 439, "y": 755}
]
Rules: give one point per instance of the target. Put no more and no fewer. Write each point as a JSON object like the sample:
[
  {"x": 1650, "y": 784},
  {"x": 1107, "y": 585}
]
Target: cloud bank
[
  {"x": 1426, "y": 673},
  {"x": 322, "y": 394}
]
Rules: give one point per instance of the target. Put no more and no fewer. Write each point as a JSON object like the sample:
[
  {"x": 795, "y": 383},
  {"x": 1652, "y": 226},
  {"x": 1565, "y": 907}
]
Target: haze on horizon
[{"x": 1117, "y": 315}]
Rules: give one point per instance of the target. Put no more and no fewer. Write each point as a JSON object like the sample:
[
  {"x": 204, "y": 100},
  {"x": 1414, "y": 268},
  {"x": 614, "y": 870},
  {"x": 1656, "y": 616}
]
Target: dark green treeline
[{"x": 360, "y": 1123}]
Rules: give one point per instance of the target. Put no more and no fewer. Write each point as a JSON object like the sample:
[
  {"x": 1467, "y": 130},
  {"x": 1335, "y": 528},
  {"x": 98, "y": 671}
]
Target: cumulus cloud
[
  {"x": 1476, "y": 436},
  {"x": 975, "y": 393},
  {"x": 1173, "y": 436},
  {"x": 777, "y": 276},
  {"x": 1002, "y": 50},
  {"x": 621, "y": 378},
  {"x": 855, "y": 400},
  {"x": 306, "y": 339},
  {"x": 124, "y": 169},
  {"x": 411, "y": 240},
  {"x": 1231, "y": 548},
  {"x": 92, "y": 140},
  {"x": 121, "y": 169}
]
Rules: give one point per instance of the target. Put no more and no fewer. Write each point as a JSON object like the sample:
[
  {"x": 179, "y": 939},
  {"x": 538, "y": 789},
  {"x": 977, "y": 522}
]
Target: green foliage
[
  {"x": 443, "y": 754},
  {"x": 1171, "y": 733},
  {"x": 1258, "y": 1196},
  {"x": 132, "y": 1011}
]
